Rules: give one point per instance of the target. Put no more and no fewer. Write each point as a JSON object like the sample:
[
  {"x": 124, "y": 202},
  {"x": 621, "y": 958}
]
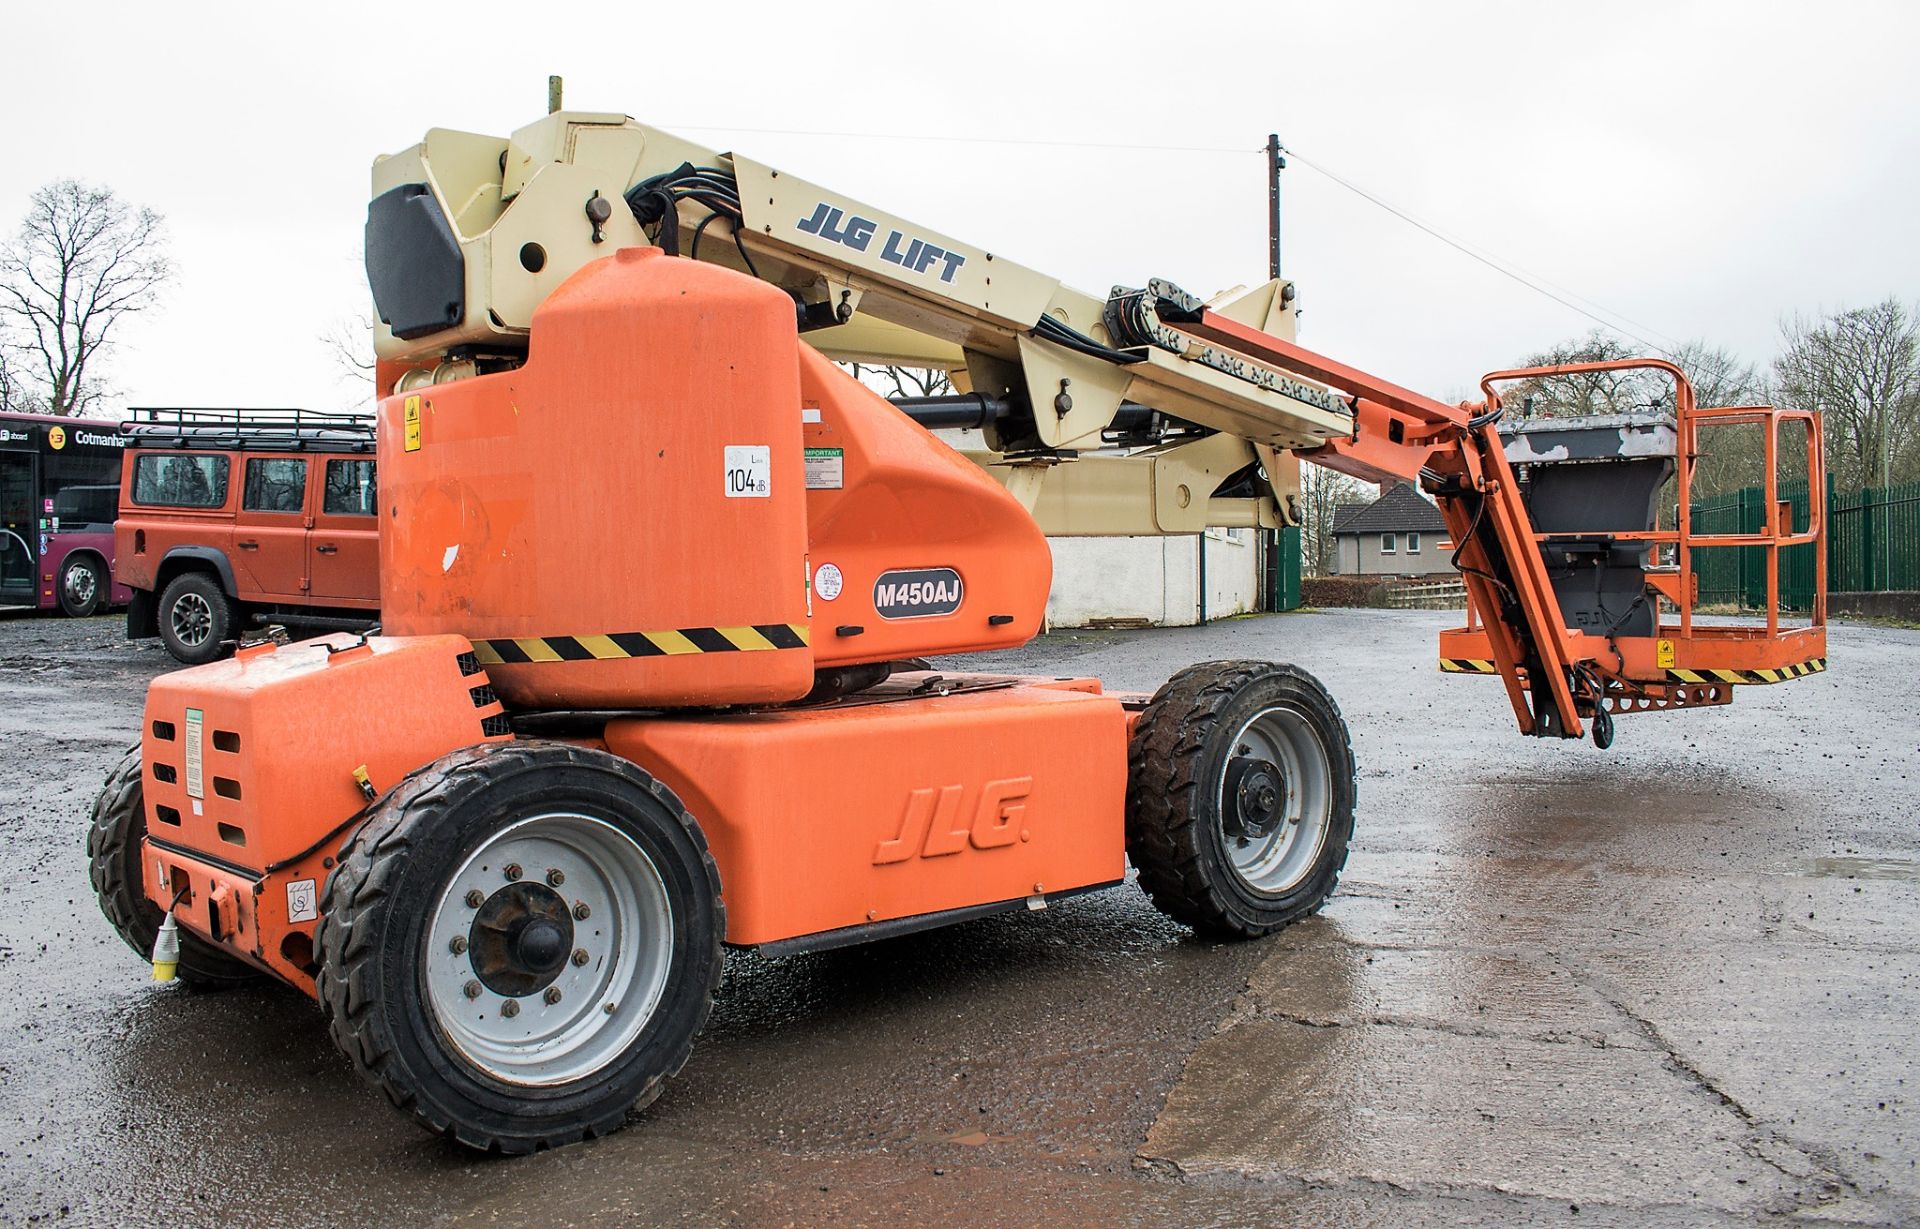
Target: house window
[
  {"x": 1413, "y": 543},
  {"x": 1388, "y": 543}
]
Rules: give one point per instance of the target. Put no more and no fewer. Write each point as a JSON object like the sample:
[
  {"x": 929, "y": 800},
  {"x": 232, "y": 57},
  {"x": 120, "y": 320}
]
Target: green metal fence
[
  {"x": 1873, "y": 545},
  {"x": 1873, "y": 540}
]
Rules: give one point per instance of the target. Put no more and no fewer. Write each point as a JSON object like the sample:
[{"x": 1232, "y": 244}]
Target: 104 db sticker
[
  {"x": 749, "y": 471},
  {"x": 917, "y": 593}
]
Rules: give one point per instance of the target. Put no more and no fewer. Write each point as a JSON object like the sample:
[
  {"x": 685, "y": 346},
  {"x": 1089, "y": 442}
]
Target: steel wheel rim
[
  {"x": 588, "y": 1014},
  {"x": 80, "y": 584},
  {"x": 1281, "y": 860},
  {"x": 191, "y": 619}
]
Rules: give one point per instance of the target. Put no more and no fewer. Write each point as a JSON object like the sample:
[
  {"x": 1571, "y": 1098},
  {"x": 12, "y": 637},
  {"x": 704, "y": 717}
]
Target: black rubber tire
[
  {"x": 377, "y": 902},
  {"x": 1179, "y": 752},
  {"x": 225, "y": 616},
  {"x": 97, "y": 602},
  {"x": 114, "y": 865}
]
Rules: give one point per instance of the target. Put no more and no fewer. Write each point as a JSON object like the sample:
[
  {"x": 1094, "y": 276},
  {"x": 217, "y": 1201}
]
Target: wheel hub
[
  {"x": 520, "y": 939},
  {"x": 1256, "y": 794},
  {"x": 192, "y": 619}
]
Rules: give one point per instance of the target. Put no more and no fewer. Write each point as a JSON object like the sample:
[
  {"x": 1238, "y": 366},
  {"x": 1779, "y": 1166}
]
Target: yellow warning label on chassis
[
  {"x": 413, "y": 424},
  {"x": 1663, "y": 654}
]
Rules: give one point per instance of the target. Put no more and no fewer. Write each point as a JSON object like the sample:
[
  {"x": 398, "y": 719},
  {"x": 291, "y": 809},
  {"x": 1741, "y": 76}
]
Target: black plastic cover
[{"x": 414, "y": 264}]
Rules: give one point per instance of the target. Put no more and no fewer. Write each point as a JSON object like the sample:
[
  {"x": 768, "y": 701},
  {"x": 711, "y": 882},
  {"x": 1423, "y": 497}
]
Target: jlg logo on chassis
[{"x": 931, "y": 828}]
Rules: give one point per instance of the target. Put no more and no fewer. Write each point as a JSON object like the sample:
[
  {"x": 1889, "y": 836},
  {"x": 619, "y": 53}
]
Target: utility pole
[
  {"x": 1273, "y": 539},
  {"x": 1276, "y": 163}
]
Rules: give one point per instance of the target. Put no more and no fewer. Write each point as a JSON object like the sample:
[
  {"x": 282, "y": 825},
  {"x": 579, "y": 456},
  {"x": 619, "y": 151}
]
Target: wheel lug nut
[
  {"x": 580, "y": 956},
  {"x": 609, "y": 1008},
  {"x": 510, "y": 1008},
  {"x": 476, "y": 898},
  {"x": 513, "y": 871},
  {"x": 459, "y": 944},
  {"x": 556, "y": 876},
  {"x": 581, "y": 911},
  {"x": 552, "y": 995},
  {"x": 472, "y": 989}
]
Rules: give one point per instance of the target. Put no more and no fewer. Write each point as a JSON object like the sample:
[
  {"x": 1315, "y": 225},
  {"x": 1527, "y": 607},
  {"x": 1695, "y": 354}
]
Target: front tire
[
  {"x": 520, "y": 943},
  {"x": 1240, "y": 793},
  {"x": 114, "y": 865},
  {"x": 196, "y": 618},
  {"x": 83, "y": 587}
]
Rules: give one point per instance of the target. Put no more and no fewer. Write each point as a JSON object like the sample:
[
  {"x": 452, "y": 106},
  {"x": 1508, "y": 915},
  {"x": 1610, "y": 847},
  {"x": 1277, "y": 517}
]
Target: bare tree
[
  {"x": 1322, "y": 491},
  {"x": 83, "y": 260},
  {"x": 902, "y": 381},
  {"x": 1731, "y": 456},
  {"x": 13, "y": 397},
  {"x": 1587, "y": 392},
  {"x": 1861, "y": 369},
  {"x": 1718, "y": 378}
]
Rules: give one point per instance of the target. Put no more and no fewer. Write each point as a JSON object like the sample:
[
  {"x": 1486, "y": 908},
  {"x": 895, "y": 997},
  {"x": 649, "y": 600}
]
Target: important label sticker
[
  {"x": 1663, "y": 654},
  {"x": 303, "y": 902},
  {"x": 413, "y": 424},
  {"x": 828, "y": 582},
  {"x": 749, "y": 471},
  {"x": 196, "y": 723},
  {"x": 826, "y": 469}
]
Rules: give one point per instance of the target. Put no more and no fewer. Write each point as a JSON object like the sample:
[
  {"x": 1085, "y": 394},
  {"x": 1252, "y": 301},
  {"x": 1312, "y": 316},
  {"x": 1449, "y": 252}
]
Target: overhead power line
[
  {"x": 1532, "y": 281},
  {"x": 959, "y": 140},
  {"x": 1573, "y": 301}
]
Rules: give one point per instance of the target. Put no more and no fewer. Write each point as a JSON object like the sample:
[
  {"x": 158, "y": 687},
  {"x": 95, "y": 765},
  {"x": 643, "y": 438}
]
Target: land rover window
[
  {"x": 180, "y": 480},
  {"x": 350, "y": 489},
  {"x": 275, "y": 484}
]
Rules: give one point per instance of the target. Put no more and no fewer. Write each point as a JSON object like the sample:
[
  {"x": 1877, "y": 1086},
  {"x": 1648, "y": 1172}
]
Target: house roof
[{"x": 1401, "y": 509}]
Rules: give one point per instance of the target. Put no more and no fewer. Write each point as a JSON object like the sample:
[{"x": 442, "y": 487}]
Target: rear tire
[
  {"x": 504, "y": 1008},
  {"x": 114, "y": 865},
  {"x": 1240, "y": 792},
  {"x": 196, "y": 618},
  {"x": 83, "y": 587}
]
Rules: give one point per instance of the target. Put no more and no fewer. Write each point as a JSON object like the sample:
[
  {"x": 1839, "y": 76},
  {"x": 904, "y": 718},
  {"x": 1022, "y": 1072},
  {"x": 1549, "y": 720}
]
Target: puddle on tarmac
[{"x": 1860, "y": 868}]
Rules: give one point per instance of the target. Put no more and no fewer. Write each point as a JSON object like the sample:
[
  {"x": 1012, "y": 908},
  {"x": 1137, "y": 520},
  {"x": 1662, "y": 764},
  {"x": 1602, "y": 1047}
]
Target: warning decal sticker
[
  {"x": 196, "y": 722},
  {"x": 826, "y": 469},
  {"x": 302, "y": 901}
]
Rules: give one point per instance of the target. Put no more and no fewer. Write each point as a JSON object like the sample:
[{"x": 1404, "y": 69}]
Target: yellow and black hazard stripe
[
  {"x": 1798, "y": 670},
  {"x": 616, "y": 646},
  {"x": 1468, "y": 665}
]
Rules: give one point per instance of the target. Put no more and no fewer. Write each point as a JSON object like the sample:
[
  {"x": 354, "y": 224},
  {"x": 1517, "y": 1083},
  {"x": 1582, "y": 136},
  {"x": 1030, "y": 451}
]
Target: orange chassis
[{"x": 993, "y": 792}]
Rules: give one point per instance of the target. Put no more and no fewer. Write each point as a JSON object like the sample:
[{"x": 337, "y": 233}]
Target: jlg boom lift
[{"x": 654, "y": 571}]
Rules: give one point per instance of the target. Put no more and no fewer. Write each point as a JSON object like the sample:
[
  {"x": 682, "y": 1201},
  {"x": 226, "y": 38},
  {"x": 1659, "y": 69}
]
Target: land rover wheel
[{"x": 196, "y": 618}]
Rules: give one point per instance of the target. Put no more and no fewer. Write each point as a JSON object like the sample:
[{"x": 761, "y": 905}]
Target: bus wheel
[
  {"x": 83, "y": 587},
  {"x": 196, "y": 618}
]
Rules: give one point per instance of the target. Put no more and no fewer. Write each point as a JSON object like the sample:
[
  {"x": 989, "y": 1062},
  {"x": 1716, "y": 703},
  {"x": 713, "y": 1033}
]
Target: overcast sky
[{"x": 1700, "y": 168}]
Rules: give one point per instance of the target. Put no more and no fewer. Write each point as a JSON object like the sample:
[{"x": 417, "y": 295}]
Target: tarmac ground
[{"x": 1672, "y": 983}]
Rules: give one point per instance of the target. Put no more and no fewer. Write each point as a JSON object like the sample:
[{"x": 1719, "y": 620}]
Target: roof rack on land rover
[{"x": 277, "y": 429}]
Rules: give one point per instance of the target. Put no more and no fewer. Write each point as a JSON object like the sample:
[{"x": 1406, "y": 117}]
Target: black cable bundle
[{"x": 656, "y": 200}]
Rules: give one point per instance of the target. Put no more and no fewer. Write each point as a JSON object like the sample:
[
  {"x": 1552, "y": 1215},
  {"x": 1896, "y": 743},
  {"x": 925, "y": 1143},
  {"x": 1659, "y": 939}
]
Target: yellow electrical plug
[{"x": 166, "y": 950}]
